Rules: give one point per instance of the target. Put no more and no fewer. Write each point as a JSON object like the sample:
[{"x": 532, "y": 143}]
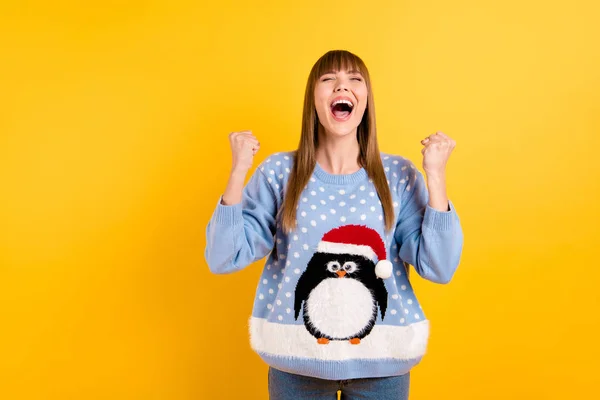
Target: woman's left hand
[{"x": 436, "y": 151}]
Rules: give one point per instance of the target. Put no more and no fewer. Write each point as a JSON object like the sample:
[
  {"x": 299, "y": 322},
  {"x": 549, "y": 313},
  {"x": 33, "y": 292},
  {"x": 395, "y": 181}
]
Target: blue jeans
[{"x": 286, "y": 386}]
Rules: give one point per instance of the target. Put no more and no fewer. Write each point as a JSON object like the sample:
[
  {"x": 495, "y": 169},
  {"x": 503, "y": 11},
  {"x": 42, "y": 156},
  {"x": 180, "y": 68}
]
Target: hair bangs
[{"x": 339, "y": 60}]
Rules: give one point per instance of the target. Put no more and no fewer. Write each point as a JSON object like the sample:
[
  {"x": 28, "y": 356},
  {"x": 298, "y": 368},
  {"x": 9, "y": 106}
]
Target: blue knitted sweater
[{"x": 334, "y": 300}]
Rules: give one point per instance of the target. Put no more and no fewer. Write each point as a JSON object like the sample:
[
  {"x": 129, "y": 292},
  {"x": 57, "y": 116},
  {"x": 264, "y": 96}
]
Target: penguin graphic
[{"x": 340, "y": 287}]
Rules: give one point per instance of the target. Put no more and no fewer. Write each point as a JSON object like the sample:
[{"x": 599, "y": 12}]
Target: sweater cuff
[
  {"x": 228, "y": 215},
  {"x": 439, "y": 220}
]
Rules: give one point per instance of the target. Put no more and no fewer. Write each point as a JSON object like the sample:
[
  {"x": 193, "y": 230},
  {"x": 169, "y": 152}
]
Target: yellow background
[{"x": 113, "y": 151}]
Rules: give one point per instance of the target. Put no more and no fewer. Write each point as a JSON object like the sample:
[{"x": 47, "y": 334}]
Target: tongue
[{"x": 340, "y": 114}]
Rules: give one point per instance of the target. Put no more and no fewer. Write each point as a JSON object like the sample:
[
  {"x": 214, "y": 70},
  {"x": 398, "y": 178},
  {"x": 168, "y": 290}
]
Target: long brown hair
[{"x": 304, "y": 157}]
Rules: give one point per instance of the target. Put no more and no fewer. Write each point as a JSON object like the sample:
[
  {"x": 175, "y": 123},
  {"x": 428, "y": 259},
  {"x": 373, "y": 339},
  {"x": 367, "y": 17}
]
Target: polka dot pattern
[{"x": 323, "y": 206}]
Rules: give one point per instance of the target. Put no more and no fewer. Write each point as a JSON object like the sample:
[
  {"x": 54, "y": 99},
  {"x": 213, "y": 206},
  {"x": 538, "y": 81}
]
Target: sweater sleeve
[
  {"x": 428, "y": 239},
  {"x": 240, "y": 234}
]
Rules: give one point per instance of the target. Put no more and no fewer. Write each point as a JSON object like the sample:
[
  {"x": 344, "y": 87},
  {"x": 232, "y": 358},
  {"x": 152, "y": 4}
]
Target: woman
[{"x": 340, "y": 223}]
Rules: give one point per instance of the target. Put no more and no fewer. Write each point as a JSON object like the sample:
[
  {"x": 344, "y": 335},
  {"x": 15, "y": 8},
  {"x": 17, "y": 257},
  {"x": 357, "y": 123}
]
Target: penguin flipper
[
  {"x": 300, "y": 295},
  {"x": 297, "y": 307},
  {"x": 381, "y": 296}
]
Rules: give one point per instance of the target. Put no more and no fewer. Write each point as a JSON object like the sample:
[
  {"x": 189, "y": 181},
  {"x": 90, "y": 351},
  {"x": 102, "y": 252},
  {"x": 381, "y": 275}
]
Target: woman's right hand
[{"x": 244, "y": 145}]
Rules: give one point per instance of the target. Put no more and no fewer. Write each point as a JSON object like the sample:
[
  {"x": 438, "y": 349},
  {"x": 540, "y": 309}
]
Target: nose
[
  {"x": 341, "y": 273},
  {"x": 341, "y": 85}
]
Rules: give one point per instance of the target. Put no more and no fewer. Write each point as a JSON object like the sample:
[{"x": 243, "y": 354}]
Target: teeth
[{"x": 342, "y": 101}]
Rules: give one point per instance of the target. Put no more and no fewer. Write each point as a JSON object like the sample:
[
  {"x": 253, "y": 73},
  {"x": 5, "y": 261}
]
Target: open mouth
[{"x": 341, "y": 109}]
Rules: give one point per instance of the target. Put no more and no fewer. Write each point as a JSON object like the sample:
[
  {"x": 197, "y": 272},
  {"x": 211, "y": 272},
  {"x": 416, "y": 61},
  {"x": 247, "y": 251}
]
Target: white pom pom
[{"x": 383, "y": 269}]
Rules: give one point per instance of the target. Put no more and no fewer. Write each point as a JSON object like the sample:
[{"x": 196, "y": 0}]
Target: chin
[
  {"x": 340, "y": 131},
  {"x": 344, "y": 132}
]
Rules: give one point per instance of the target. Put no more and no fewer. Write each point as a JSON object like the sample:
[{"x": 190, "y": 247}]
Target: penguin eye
[
  {"x": 333, "y": 266},
  {"x": 350, "y": 267}
]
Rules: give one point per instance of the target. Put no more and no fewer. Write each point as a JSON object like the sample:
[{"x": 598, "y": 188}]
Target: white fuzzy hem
[{"x": 384, "y": 341}]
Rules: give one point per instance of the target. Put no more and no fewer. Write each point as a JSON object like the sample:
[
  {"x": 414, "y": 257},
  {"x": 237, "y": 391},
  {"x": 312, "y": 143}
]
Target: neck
[{"x": 338, "y": 155}]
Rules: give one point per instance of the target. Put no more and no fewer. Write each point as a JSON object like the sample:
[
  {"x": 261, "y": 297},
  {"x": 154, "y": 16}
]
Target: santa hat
[{"x": 358, "y": 240}]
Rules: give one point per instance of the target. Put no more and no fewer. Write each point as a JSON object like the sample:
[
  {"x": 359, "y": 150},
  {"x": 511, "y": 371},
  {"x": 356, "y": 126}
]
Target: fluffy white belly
[{"x": 340, "y": 307}]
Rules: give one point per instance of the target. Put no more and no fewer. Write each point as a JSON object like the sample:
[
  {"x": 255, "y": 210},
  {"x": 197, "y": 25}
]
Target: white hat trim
[{"x": 345, "y": 248}]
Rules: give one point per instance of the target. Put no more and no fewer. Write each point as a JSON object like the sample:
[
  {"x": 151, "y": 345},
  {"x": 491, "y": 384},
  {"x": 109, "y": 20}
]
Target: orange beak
[{"x": 341, "y": 273}]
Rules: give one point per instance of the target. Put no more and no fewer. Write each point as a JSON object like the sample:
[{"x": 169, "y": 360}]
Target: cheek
[
  {"x": 318, "y": 96},
  {"x": 362, "y": 97},
  {"x": 320, "y": 101},
  {"x": 320, "y": 92},
  {"x": 321, "y": 106},
  {"x": 321, "y": 111},
  {"x": 362, "y": 93}
]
